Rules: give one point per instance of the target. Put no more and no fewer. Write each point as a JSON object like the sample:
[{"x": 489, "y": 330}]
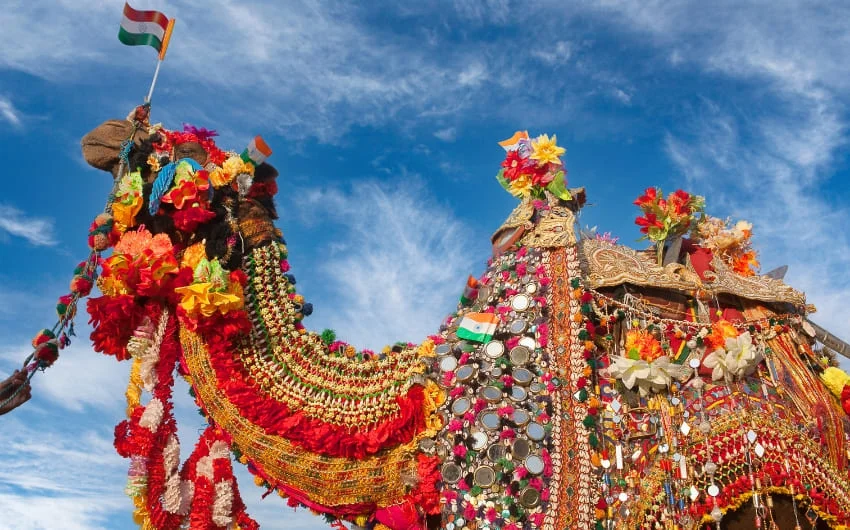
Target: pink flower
[
  {"x": 455, "y": 426},
  {"x": 456, "y": 391},
  {"x": 521, "y": 268},
  {"x": 491, "y": 515},
  {"x": 521, "y": 472},
  {"x": 459, "y": 451},
  {"x": 506, "y": 411}
]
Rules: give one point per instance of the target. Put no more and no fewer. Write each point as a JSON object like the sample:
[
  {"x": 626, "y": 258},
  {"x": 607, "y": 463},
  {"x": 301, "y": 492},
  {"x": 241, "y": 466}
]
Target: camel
[{"x": 579, "y": 383}]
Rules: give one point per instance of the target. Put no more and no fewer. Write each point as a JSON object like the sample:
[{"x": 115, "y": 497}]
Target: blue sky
[{"x": 384, "y": 122}]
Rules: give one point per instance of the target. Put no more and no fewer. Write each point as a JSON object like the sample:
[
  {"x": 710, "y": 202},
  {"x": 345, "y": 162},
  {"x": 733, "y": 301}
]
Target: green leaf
[
  {"x": 558, "y": 187},
  {"x": 500, "y": 176}
]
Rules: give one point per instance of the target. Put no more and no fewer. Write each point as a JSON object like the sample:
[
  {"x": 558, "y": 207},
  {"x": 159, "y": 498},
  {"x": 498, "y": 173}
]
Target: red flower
[
  {"x": 649, "y": 196},
  {"x": 679, "y": 204},
  {"x": 647, "y": 222},
  {"x": 190, "y": 219},
  {"x": 514, "y": 165}
]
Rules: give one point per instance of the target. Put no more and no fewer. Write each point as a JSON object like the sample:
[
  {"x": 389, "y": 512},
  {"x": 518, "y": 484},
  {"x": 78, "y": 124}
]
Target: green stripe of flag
[
  {"x": 466, "y": 334},
  {"x": 139, "y": 39}
]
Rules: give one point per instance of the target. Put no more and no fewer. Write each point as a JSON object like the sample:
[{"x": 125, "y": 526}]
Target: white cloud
[
  {"x": 558, "y": 54},
  {"x": 81, "y": 378},
  {"x": 8, "y": 112},
  {"x": 448, "y": 134},
  {"x": 401, "y": 264},
  {"x": 59, "y": 474},
  {"x": 620, "y": 95},
  {"x": 38, "y": 231},
  {"x": 778, "y": 185},
  {"x": 472, "y": 75}
]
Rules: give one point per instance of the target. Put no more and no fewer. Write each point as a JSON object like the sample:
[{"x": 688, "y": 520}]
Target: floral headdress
[{"x": 533, "y": 167}]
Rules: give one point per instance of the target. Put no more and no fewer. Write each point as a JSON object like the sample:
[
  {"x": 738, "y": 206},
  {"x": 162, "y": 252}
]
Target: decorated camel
[{"x": 579, "y": 384}]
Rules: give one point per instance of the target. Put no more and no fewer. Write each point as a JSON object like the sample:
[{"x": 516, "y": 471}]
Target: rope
[{"x": 66, "y": 320}]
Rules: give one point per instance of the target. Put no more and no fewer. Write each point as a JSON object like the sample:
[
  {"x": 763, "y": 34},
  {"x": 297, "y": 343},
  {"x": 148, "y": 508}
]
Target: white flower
[
  {"x": 630, "y": 371},
  {"x": 716, "y": 360},
  {"x": 741, "y": 357},
  {"x": 738, "y": 359},
  {"x": 654, "y": 376}
]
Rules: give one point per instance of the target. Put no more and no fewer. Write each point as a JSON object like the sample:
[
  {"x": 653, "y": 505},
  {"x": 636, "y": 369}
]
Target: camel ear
[{"x": 102, "y": 146}]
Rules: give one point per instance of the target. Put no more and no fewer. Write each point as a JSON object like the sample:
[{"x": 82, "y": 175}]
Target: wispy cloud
[
  {"x": 398, "y": 263},
  {"x": 38, "y": 231},
  {"x": 559, "y": 53},
  {"x": 8, "y": 112},
  {"x": 59, "y": 475},
  {"x": 777, "y": 185},
  {"x": 448, "y": 134}
]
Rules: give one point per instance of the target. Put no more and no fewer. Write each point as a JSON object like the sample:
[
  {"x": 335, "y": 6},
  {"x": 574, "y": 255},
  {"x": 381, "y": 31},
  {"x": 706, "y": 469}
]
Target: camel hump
[{"x": 102, "y": 146}]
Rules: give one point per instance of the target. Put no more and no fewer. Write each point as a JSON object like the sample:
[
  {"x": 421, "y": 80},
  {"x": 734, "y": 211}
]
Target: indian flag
[
  {"x": 257, "y": 151},
  {"x": 478, "y": 327},
  {"x": 470, "y": 292},
  {"x": 140, "y": 28}
]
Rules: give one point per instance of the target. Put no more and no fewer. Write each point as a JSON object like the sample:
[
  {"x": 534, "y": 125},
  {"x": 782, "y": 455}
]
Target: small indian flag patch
[{"x": 478, "y": 327}]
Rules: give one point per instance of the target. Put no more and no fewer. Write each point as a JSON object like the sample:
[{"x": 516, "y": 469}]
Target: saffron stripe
[{"x": 146, "y": 16}]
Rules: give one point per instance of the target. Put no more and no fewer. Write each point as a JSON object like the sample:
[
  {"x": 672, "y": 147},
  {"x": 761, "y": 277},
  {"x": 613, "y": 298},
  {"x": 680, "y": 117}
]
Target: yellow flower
[
  {"x": 220, "y": 177},
  {"x": 521, "y": 187},
  {"x": 546, "y": 150},
  {"x": 193, "y": 255},
  {"x": 198, "y": 299},
  {"x": 125, "y": 214},
  {"x": 835, "y": 380},
  {"x": 153, "y": 162}
]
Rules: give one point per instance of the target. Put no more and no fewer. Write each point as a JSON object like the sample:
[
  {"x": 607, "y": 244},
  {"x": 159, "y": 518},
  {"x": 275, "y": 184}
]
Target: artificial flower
[
  {"x": 649, "y": 197},
  {"x": 521, "y": 187},
  {"x": 741, "y": 356},
  {"x": 647, "y": 376},
  {"x": 546, "y": 150},
  {"x": 153, "y": 162},
  {"x": 720, "y": 331},
  {"x": 746, "y": 264},
  {"x": 640, "y": 344},
  {"x": 125, "y": 214},
  {"x": 514, "y": 165},
  {"x": 189, "y": 219},
  {"x": 133, "y": 243},
  {"x": 678, "y": 204},
  {"x": 648, "y": 222},
  {"x": 736, "y": 359},
  {"x": 193, "y": 255}
]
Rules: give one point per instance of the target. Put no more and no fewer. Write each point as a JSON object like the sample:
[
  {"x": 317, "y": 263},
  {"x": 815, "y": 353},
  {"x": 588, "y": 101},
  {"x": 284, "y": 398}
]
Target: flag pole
[
  {"x": 165, "y": 40},
  {"x": 153, "y": 83}
]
